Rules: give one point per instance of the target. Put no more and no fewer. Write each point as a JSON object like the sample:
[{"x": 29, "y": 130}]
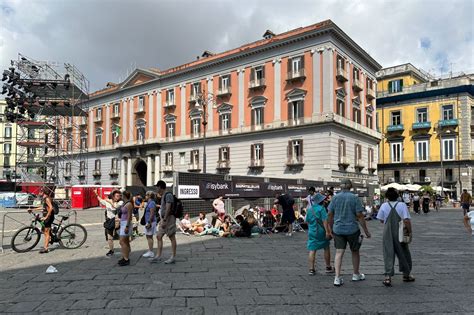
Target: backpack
[
  {"x": 178, "y": 208},
  {"x": 55, "y": 206}
]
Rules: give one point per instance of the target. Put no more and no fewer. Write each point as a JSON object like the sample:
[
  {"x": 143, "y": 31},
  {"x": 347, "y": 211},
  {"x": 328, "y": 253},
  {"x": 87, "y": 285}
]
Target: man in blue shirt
[{"x": 345, "y": 214}]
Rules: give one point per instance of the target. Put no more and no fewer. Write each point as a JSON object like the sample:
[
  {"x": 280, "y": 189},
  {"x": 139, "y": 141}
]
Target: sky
[{"x": 107, "y": 39}]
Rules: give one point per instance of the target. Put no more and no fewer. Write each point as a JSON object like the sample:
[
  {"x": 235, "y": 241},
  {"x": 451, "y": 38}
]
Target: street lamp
[{"x": 204, "y": 100}]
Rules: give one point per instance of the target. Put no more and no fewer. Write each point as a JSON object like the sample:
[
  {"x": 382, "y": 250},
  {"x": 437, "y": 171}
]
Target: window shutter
[
  {"x": 301, "y": 148},
  {"x": 301, "y": 109},
  {"x": 167, "y": 96},
  {"x": 220, "y": 154},
  {"x": 401, "y": 83},
  {"x": 252, "y": 74},
  {"x": 263, "y": 72},
  {"x": 289, "y": 65},
  {"x": 230, "y": 121},
  {"x": 290, "y": 110},
  {"x": 252, "y": 152},
  {"x": 261, "y": 151},
  {"x": 289, "y": 149},
  {"x": 220, "y": 82},
  {"x": 389, "y": 86},
  {"x": 228, "y": 154},
  {"x": 263, "y": 115},
  {"x": 252, "y": 113},
  {"x": 229, "y": 81},
  {"x": 302, "y": 62},
  {"x": 220, "y": 122}
]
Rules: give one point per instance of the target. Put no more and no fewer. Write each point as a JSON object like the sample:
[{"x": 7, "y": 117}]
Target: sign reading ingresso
[{"x": 188, "y": 192}]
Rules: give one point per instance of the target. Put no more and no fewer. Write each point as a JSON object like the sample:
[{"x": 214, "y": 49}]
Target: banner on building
[
  {"x": 214, "y": 189},
  {"x": 249, "y": 190}
]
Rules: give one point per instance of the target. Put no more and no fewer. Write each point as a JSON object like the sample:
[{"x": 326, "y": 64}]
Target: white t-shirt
[
  {"x": 470, "y": 214},
  {"x": 203, "y": 221},
  {"x": 185, "y": 222},
  {"x": 110, "y": 209},
  {"x": 385, "y": 209}
]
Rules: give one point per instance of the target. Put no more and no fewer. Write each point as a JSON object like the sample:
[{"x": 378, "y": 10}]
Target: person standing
[
  {"x": 469, "y": 223},
  {"x": 319, "y": 233},
  {"x": 309, "y": 198},
  {"x": 416, "y": 203},
  {"x": 345, "y": 212},
  {"x": 286, "y": 202},
  {"x": 126, "y": 212},
  {"x": 48, "y": 217},
  {"x": 219, "y": 209},
  {"x": 466, "y": 200},
  {"x": 167, "y": 223},
  {"x": 150, "y": 222},
  {"x": 407, "y": 199},
  {"x": 426, "y": 202},
  {"x": 390, "y": 214},
  {"x": 138, "y": 204},
  {"x": 112, "y": 205}
]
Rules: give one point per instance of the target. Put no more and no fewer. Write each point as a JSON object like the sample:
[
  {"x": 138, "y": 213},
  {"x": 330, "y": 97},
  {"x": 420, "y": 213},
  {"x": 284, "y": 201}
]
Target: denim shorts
[{"x": 122, "y": 233}]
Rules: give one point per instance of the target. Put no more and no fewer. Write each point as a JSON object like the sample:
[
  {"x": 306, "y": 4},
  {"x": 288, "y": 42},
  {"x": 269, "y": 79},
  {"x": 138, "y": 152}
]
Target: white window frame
[
  {"x": 170, "y": 94},
  {"x": 116, "y": 110},
  {"x": 97, "y": 165},
  {"x": 182, "y": 158},
  {"x": 258, "y": 116},
  {"x": 396, "y": 147},
  {"x": 422, "y": 114},
  {"x": 169, "y": 159},
  {"x": 98, "y": 136},
  {"x": 259, "y": 71},
  {"x": 195, "y": 89},
  {"x": 420, "y": 146},
  {"x": 296, "y": 65},
  {"x": 141, "y": 103},
  {"x": 448, "y": 151},
  {"x": 5, "y": 146},
  {"x": 295, "y": 107},
  {"x": 225, "y": 82},
  {"x": 396, "y": 87},
  {"x": 449, "y": 112},
  {"x": 196, "y": 127},
  {"x": 8, "y": 132},
  {"x": 341, "y": 108},
  {"x": 224, "y": 154},
  {"x": 392, "y": 116},
  {"x": 171, "y": 132},
  {"x": 225, "y": 121},
  {"x": 141, "y": 129},
  {"x": 194, "y": 156},
  {"x": 258, "y": 155},
  {"x": 114, "y": 163},
  {"x": 296, "y": 151},
  {"x": 98, "y": 113}
]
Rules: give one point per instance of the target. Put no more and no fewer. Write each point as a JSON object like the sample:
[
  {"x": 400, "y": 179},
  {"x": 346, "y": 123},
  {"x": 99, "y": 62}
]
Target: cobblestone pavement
[{"x": 261, "y": 275}]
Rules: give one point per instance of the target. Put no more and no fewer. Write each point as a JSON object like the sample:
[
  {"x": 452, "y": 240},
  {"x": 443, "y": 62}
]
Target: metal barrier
[{"x": 7, "y": 214}]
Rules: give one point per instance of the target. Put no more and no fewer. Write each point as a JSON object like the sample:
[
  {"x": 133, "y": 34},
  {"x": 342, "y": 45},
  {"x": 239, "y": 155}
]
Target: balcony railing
[
  {"x": 357, "y": 85},
  {"x": 193, "y": 97},
  {"x": 170, "y": 104},
  {"x": 372, "y": 167},
  {"x": 81, "y": 174},
  {"x": 370, "y": 94},
  {"x": 225, "y": 91},
  {"x": 257, "y": 84},
  {"x": 223, "y": 165},
  {"x": 168, "y": 168},
  {"x": 98, "y": 119},
  {"x": 96, "y": 173},
  {"x": 140, "y": 110},
  {"x": 83, "y": 121},
  {"x": 393, "y": 128},
  {"x": 359, "y": 163},
  {"x": 194, "y": 167},
  {"x": 448, "y": 123},
  {"x": 295, "y": 161},
  {"x": 341, "y": 75},
  {"x": 256, "y": 163},
  {"x": 113, "y": 172},
  {"x": 116, "y": 115},
  {"x": 67, "y": 175},
  {"x": 296, "y": 75},
  {"x": 421, "y": 125}
]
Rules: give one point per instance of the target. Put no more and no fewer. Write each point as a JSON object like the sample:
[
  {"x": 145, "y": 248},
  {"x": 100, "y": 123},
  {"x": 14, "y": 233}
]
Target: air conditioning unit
[
  {"x": 391, "y": 180},
  {"x": 427, "y": 179}
]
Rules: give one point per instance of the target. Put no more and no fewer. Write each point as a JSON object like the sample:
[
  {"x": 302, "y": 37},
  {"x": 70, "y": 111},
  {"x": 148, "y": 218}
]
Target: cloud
[{"x": 107, "y": 38}]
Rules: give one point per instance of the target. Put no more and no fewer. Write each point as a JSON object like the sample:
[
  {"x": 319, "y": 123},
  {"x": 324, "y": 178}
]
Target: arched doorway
[{"x": 139, "y": 178}]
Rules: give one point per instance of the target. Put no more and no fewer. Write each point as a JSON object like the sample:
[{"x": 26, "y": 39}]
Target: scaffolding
[{"x": 50, "y": 142}]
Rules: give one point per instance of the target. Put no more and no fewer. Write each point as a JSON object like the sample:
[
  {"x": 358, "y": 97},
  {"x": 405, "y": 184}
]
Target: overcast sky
[{"x": 107, "y": 38}]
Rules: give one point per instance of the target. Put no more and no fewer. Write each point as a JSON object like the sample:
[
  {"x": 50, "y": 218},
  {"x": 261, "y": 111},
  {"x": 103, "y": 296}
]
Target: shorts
[
  {"x": 169, "y": 229},
  {"x": 151, "y": 230},
  {"x": 122, "y": 233},
  {"x": 340, "y": 241},
  {"x": 49, "y": 222},
  {"x": 465, "y": 205}
]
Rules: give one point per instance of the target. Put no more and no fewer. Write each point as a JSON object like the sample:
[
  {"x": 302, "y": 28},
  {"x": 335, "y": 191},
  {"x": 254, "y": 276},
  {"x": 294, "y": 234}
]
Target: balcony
[
  {"x": 370, "y": 94},
  {"x": 194, "y": 167},
  {"x": 223, "y": 165},
  {"x": 372, "y": 167},
  {"x": 115, "y": 116},
  {"x": 395, "y": 128},
  {"x": 98, "y": 119},
  {"x": 113, "y": 172},
  {"x": 448, "y": 123},
  {"x": 96, "y": 173},
  {"x": 67, "y": 175},
  {"x": 256, "y": 164},
  {"x": 344, "y": 161},
  {"x": 169, "y": 104},
  {"x": 81, "y": 174},
  {"x": 296, "y": 75},
  {"x": 140, "y": 110},
  {"x": 257, "y": 84},
  {"x": 341, "y": 75},
  {"x": 193, "y": 98},
  {"x": 421, "y": 125},
  {"x": 357, "y": 85},
  {"x": 359, "y": 164},
  {"x": 295, "y": 161},
  {"x": 168, "y": 168},
  {"x": 83, "y": 121},
  {"x": 225, "y": 91}
]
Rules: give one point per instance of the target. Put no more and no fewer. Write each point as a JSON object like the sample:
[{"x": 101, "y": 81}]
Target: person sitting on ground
[
  {"x": 268, "y": 221},
  {"x": 245, "y": 229},
  {"x": 200, "y": 223},
  {"x": 274, "y": 211},
  {"x": 253, "y": 222},
  {"x": 212, "y": 230},
  {"x": 225, "y": 230},
  {"x": 185, "y": 225}
]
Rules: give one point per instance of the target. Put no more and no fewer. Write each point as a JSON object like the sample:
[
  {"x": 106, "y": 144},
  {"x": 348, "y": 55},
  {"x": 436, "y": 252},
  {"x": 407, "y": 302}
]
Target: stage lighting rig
[{"x": 5, "y": 75}]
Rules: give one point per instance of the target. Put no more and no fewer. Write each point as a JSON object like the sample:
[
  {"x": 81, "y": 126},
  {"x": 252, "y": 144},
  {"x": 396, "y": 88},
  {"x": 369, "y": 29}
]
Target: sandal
[
  {"x": 387, "y": 282},
  {"x": 312, "y": 272},
  {"x": 408, "y": 278}
]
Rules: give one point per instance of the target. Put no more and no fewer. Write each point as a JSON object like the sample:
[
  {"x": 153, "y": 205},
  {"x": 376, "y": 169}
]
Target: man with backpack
[{"x": 167, "y": 223}]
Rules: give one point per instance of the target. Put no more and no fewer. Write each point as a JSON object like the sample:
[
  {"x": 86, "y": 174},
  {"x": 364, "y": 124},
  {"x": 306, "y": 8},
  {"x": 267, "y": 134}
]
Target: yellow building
[
  {"x": 7, "y": 145},
  {"x": 427, "y": 127}
]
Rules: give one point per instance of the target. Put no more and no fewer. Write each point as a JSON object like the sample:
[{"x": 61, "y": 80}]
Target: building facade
[
  {"x": 7, "y": 145},
  {"x": 427, "y": 126},
  {"x": 300, "y": 104}
]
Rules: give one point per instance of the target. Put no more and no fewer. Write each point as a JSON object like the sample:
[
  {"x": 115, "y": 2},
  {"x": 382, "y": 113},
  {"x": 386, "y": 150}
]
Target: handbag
[
  {"x": 109, "y": 223},
  {"x": 142, "y": 220},
  {"x": 403, "y": 236}
]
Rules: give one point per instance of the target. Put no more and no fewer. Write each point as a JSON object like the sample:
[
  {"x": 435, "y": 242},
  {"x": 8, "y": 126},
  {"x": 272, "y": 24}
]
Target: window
[
  {"x": 396, "y": 118},
  {"x": 169, "y": 159},
  {"x": 341, "y": 108},
  {"x": 115, "y": 133},
  {"x": 97, "y": 165},
  {"x": 358, "y": 152},
  {"x": 355, "y": 74},
  {"x": 371, "y": 158},
  {"x": 396, "y": 152},
  {"x": 98, "y": 114},
  {"x": 141, "y": 123},
  {"x": 116, "y": 110},
  {"x": 377, "y": 126},
  {"x": 448, "y": 149},
  {"x": 31, "y": 135},
  {"x": 8, "y": 131},
  {"x": 224, "y": 154},
  {"x": 340, "y": 62},
  {"x": 69, "y": 143},
  {"x": 114, "y": 164},
  {"x": 195, "y": 157},
  {"x": 182, "y": 158},
  {"x": 448, "y": 112},
  {"x": 256, "y": 152},
  {"x": 224, "y": 83},
  {"x": 295, "y": 150},
  {"x": 421, "y": 175},
  {"x": 83, "y": 140},
  {"x": 422, "y": 152},
  {"x": 98, "y": 137},
  {"x": 68, "y": 169},
  {"x": 369, "y": 121},
  {"x": 31, "y": 153},
  {"x": 141, "y": 104},
  {"x": 224, "y": 122},
  {"x": 341, "y": 149},
  {"x": 195, "y": 89},
  {"x": 170, "y": 130},
  {"x": 395, "y": 86},
  {"x": 82, "y": 168},
  {"x": 396, "y": 176},
  {"x": 170, "y": 97},
  {"x": 257, "y": 116},
  {"x": 422, "y": 114},
  {"x": 296, "y": 65},
  {"x": 357, "y": 115},
  {"x": 195, "y": 127},
  {"x": 448, "y": 174},
  {"x": 7, "y": 148},
  {"x": 259, "y": 73}
]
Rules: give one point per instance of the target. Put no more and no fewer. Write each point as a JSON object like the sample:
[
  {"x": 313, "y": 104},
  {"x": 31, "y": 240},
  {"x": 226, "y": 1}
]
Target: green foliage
[{"x": 428, "y": 189}]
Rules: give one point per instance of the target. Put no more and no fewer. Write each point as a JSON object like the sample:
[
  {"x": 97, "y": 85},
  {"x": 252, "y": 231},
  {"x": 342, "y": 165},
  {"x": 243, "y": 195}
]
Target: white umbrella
[
  {"x": 413, "y": 187},
  {"x": 438, "y": 189},
  {"x": 394, "y": 185}
]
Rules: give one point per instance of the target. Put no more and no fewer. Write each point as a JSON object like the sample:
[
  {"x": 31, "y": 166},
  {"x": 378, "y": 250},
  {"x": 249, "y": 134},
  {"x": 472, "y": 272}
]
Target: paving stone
[
  {"x": 190, "y": 293},
  {"x": 89, "y": 304},
  {"x": 169, "y": 301},
  {"x": 24, "y": 307},
  {"x": 129, "y": 303},
  {"x": 201, "y": 301},
  {"x": 55, "y": 305},
  {"x": 183, "y": 310}
]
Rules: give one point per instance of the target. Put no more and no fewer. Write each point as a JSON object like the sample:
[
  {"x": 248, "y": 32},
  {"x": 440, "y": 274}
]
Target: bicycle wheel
[
  {"x": 72, "y": 236},
  {"x": 25, "y": 239}
]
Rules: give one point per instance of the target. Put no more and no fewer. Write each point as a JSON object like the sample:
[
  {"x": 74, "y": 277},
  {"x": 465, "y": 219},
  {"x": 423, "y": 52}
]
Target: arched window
[
  {"x": 258, "y": 106},
  {"x": 141, "y": 124},
  {"x": 224, "y": 110},
  {"x": 98, "y": 137}
]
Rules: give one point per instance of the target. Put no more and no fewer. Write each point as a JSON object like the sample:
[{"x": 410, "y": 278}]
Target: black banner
[
  {"x": 251, "y": 190},
  {"x": 296, "y": 190},
  {"x": 214, "y": 189}
]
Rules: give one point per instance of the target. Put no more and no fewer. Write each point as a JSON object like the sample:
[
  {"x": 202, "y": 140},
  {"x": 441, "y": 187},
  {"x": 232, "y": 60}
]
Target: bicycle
[{"x": 69, "y": 236}]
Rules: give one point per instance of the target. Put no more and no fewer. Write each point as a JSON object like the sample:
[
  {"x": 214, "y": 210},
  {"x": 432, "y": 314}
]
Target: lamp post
[{"x": 204, "y": 101}]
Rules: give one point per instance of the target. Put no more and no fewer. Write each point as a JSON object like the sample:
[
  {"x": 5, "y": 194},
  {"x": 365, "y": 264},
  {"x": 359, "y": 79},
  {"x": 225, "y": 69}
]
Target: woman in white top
[
  {"x": 469, "y": 222},
  {"x": 111, "y": 205},
  {"x": 391, "y": 213}
]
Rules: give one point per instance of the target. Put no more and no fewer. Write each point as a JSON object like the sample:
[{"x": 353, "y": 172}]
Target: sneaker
[
  {"x": 330, "y": 269},
  {"x": 170, "y": 260},
  {"x": 44, "y": 251},
  {"x": 124, "y": 262},
  {"x": 312, "y": 272},
  {"x": 110, "y": 253},
  {"x": 148, "y": 254},
  {"x": 338, "y": 281},
  {"x": 155, "y": 260},
  {"x": 290, "y": 234},
  {"x": 358, "y": 277}
]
